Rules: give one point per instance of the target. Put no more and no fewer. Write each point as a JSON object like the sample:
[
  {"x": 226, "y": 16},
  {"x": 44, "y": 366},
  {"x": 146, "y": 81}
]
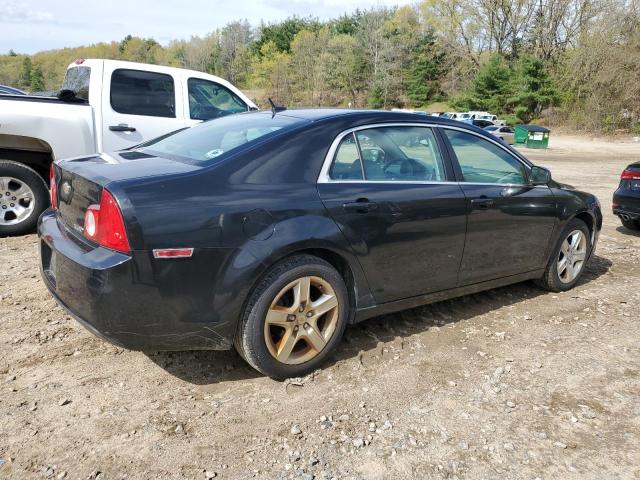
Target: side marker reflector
[{"x": 173, "y": 253}]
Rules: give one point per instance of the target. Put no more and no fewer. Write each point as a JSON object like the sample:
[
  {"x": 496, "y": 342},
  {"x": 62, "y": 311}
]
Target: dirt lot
[{"x": 512, "y": 383}]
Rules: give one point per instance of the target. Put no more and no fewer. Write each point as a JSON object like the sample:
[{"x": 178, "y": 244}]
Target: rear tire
[
  {"x": 294, "y": 319},
  {"x": 631, "y": 224},
  {"x": 24, "y": 196},
  {"x": 566, "y": 264}
]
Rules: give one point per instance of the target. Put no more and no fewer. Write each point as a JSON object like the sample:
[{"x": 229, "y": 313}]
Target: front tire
[
  {"x": 23, "y": 197},
  {"x": 631, "y": 224},
  {"x": 294, "y": 319},
  {"x": 568, "y": 258}
]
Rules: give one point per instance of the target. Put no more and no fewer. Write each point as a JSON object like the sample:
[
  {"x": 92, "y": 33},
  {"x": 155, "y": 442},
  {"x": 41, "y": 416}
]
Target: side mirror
[{"x": 540, "y": 175}]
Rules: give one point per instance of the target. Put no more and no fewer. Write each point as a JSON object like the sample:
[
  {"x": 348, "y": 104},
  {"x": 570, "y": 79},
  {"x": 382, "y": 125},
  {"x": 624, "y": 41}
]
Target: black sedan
[
  {"x": 626, "y": 199},
  {"x": 271, "y": 231}
]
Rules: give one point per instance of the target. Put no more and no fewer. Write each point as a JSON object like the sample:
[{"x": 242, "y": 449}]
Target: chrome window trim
[{"x": 324, "y": 177}]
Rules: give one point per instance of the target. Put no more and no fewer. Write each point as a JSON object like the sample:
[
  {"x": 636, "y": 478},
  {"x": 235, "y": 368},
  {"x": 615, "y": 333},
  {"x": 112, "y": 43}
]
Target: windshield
[
  {"x": 213, "y": 139},
  {"x": 465, "y": 115}
]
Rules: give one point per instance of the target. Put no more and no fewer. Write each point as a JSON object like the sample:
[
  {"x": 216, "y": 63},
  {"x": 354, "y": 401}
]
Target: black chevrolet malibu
[{"x": 270, "y": 232}]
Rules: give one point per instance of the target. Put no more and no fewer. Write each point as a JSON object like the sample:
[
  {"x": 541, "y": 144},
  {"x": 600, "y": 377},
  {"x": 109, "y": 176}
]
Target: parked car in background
[
  {"x": 104, "y": 105},
  {"x": 4, "y": 89},
  {"x": 271, "y": 231},
  {"x": 479, "y": 123},
  {"x": 626, "y": 199},
  {"x": 504, "y": 133}
]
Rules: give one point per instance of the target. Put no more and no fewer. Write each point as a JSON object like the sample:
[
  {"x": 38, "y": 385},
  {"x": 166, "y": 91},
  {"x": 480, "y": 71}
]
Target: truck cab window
[
  {"x": 77, "y": 80},
  {"x": 135, "y": 92},
  {"x": 209, "y": 100}
]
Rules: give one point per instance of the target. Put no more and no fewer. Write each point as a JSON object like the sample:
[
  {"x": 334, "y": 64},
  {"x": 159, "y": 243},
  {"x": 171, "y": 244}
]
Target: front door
[
  {"x": 138, "y": 105},
  {"x": 510, "y": 222},
  {"x": 388, "y": 191}
]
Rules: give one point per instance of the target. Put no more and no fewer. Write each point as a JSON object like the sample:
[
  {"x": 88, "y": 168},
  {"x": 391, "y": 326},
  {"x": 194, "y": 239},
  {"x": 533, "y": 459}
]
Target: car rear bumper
[
  {"x": 626, "y": 204},
  {"x": 129, "y": 300}
]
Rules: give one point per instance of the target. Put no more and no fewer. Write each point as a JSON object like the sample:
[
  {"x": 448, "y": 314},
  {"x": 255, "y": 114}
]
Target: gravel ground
[{"x": 511, "y": 383}]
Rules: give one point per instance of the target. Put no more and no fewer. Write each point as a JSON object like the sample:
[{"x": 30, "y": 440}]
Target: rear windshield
[
  {"x": 77, "y": 80},
  {"x": 213, "y": 140}
]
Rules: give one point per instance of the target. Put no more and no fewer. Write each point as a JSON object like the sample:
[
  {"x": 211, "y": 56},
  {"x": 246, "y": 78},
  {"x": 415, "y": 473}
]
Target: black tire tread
[
  {"x": 549, "y": 280},
  {"x": 242, "y": 341}
]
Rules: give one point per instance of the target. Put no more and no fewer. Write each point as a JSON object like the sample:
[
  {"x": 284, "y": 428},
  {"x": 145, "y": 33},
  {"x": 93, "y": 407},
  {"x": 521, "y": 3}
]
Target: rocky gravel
[{"x": 512, "y": 383}]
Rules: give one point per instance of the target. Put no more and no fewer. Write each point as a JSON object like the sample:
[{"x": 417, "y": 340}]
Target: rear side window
[
  {"x": 346, "y": 165},
  {"x": 209, "y": 100},
  {"x": 77, "y": 80},
  {"x": 482, "y": 161},
  {"x": 135, "y": 92}
]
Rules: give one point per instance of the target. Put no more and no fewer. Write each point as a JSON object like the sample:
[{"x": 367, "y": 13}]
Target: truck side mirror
[{"x": 540, "y": 175}]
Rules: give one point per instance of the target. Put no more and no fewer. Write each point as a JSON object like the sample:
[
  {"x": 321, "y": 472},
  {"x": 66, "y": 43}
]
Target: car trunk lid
[{"x": 80, "y": 181}]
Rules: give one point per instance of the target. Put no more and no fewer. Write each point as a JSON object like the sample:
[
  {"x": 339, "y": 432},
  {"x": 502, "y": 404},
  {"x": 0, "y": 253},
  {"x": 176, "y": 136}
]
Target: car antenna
[{"x": 275, "y": 108}]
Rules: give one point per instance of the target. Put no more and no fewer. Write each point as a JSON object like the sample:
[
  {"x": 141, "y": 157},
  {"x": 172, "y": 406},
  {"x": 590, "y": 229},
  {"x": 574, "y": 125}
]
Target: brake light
[
  {"x": 630, "y": 175},
  {"x": 53, "y": 188},
  {"x": 104, "y": 224}
]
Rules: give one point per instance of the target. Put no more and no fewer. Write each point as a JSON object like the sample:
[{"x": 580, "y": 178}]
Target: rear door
[
  {"x": 510, "y": 223},
  {"x": 138, "y": 105},
  {"x": 389, "y": 189}
]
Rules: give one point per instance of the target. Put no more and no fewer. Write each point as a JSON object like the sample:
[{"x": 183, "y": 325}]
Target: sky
[{"x": 29, "y": 26}]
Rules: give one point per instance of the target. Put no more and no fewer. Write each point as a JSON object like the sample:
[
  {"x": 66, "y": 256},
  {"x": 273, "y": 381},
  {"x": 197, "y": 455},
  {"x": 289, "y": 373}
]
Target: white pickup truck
[{"x": 104, "y": 105}]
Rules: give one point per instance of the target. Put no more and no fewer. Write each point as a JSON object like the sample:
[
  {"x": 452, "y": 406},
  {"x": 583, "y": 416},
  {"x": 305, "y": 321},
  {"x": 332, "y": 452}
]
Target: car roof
[{"x": 373, "y": 116}]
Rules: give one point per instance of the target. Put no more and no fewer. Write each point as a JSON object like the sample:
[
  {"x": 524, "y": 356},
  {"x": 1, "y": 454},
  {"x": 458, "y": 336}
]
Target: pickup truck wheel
[{"x": 23, "y": 197}]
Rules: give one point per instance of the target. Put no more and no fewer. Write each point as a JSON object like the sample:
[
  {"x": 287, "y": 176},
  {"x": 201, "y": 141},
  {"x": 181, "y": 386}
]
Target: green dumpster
[{"x": 531, "y": 136}]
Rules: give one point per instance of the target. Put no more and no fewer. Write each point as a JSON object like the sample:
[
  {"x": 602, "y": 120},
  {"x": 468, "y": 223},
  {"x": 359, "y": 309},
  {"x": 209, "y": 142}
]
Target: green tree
[
  {"x": 283, "y": 33},
  {"x": 490, "y": 89},
  {"x": 25, "y": 77},
  {"x": 425, "y": 70},
  {"x": 533, "y": 89},
  {"x": 36, "y": 79}
]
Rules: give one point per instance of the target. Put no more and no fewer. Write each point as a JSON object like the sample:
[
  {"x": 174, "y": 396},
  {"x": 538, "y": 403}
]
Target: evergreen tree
[
  {"x": 423, "y": 84},
  {"x": 533, "y": 88},
  {"x": 25, "y": 77},
  {"x": 36, "y": 79}
]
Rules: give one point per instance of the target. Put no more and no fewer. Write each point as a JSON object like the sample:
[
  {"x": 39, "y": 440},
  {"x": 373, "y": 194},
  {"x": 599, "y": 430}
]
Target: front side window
[
  {"x": 484, "y": 162},
  {"x": 400, "y": 154},
  {"x": 209, "y": 100},
  {"x": 136, "y": 92}
]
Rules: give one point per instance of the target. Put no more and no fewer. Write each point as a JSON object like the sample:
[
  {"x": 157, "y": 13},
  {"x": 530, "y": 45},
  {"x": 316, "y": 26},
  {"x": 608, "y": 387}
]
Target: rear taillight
[
  {"x": 630, "y": 175},
  {"x": 104, "y": 224},
  {"x": 53, "y": 188}
]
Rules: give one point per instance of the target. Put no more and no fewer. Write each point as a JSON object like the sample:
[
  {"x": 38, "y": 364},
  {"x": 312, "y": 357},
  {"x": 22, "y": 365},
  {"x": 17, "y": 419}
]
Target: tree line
[{"x": 570, "y": 62}]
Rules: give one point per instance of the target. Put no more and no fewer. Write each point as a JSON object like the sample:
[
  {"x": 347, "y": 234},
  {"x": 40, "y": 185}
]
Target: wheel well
[
  {"x": 342, "y": 266},
  {"x": 39, "y": 161},
  {"x": 588, "y": 219}
]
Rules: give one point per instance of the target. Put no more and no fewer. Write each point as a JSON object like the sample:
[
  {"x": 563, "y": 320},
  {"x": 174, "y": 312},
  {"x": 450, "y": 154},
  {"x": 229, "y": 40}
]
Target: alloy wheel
[
  {"x": 301, "y": 320},
  {"x": 16, "y": 201},
  {"x": 572, "y": 256}
]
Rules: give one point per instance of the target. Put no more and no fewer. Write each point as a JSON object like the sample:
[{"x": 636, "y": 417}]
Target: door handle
[
  {"x": 481, "y": 203},
  {"x": 121, "y": 128},
  {"x": 362, "y": 205}
]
